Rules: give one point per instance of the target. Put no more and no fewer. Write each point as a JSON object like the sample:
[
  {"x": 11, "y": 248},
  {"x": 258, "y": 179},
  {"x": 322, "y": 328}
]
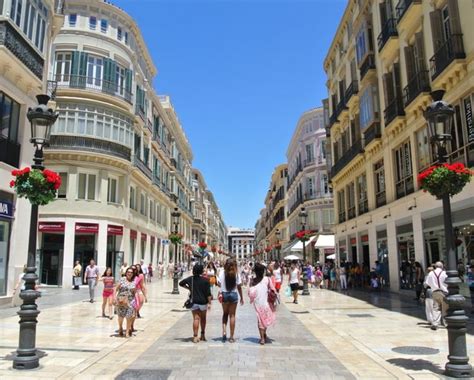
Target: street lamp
[
  {"x": 303, "y": 216},
  {"x": 175, "y": 215},
  {"x": 277, "y": 234},
  {"x": 41, "y": 119},
  {"x": 439, "y": 116}
]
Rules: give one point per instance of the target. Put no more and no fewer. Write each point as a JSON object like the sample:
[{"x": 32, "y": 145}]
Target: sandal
[
  {"x": 203, "y": 338},
  {"x": 224, "y": 338},
  {"x": 120, "y": 332},
  {"x": 195, "y": 339},
  {"x": 262, "y": 342},
  {"x": 128, "y": 334},
  {"x": 231, "y": 340}
]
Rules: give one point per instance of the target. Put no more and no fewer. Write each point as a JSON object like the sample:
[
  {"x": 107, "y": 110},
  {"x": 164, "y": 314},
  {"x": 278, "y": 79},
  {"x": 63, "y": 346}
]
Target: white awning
[
  {"x": 325, "y": 241},
  {"x": 289, "y": 247},
  {"x": 298, "y": 246}
]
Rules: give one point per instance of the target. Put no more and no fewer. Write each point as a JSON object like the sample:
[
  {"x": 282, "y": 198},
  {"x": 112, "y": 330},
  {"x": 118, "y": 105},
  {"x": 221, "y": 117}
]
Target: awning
[
  {"x": 325, "y": 241},
  {"x": 287, "y": 248},
  {"x": 299, "y": 244}
]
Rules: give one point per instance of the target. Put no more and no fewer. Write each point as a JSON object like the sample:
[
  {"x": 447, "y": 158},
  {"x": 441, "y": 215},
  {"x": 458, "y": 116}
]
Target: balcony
[
  {"x": 380, "y": 199},
  {"x": 388, "y": 30},
  {"x": 351, "y": 90},
  {"x": 404, "y": 7},
  {"x": 89, "y": 83},
  {"x": 394, "y": 109},
  {"x": 367, "y": 64},
  {"x": 21, "y": 49},
  {"x": 88, "y": 144},
  {"x": 316, "y": 195},
  {"x": 137, "y": 162},
  {"x": 418, "y": 84},
  {"x": 351, "y": 212},
  {"x": 342, "y": 217},
  {"x": 332, "y": 119},
  {"x": 363, "y": 206},
  {"x": 347, "y": 157},
  {"x": 309, "y": 162},
  {"x": 452, "y": 49},
  {"x": 372, "y": 133},
  {"x": 295, "y": 205},
  {"x": 341, "y": 106},
  {"x": 10, "y": 152},
  {"x": 405, "y": 187}
]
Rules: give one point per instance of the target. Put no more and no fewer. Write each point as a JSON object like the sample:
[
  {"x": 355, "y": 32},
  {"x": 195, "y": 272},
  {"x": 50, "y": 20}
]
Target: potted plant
[
  {"x": 175, "y": 237},
  {"x": 304, "y": 235},
  {"x": 444, "y": 179},
  {"x": 38, "y": 186}
]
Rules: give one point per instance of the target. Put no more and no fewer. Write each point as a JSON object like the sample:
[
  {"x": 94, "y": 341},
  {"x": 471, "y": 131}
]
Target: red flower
[
  {"x": 202, "y": 245},
  {"x": 12, "y": 183}
]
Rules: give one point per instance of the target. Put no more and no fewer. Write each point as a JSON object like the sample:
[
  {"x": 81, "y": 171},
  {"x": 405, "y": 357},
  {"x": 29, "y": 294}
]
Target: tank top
[{"x": 294, "y": 276}]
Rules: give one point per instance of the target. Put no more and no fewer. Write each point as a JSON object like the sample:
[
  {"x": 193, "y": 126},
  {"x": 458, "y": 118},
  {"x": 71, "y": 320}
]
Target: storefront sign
[
  {"x": 329, "y": 251},
  {"x": 353, "y": 241},
  {"x": 469, "y": 124},
  {"x": 51, "y": 226},
  {"x": 143, "y": 237},
  {"x": 114, "y": 230},
  {"x": 90, "y": 228},
  {"x": 364, "y": 238},
  {"x": 133, "y": 234},
  {"x": 6, "y": 209}
]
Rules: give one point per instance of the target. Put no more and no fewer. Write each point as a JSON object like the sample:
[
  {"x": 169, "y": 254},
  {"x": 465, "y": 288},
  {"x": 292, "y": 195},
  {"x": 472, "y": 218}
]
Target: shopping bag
[{"x": 288, "y": 291}]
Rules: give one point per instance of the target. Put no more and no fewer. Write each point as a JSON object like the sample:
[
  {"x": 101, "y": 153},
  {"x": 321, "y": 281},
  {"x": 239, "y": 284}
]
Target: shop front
[
  {"x": 85, "y": 243},
  {"x": 342, "y": 251},
  {"x": 142, "y": 246},
  {"x": 115, "y": 257},
  {"x": 51, "y": 254},
  {"x": 382, "y": 257},
  {"x": 6, "y": 216},
  {"x": 353, "y": 252},
  {"x": 364, "y": 240}
]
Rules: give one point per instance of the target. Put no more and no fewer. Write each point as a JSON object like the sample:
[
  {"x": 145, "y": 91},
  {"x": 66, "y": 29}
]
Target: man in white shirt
[{"x": 436, "y": 280}]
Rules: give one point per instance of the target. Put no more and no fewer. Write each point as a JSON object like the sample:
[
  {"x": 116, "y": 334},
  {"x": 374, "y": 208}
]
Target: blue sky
[{"x": 239, "y": 73}]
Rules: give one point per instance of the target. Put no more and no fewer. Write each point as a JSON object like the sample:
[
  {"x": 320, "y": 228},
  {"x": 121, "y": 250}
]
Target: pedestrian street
[{"x": 328, "y": 335}]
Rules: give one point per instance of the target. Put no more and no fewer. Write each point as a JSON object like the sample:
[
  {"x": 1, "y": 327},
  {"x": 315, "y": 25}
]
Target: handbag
[
  {"x": 77, "y": 281},
  {"x": 122, "y": 300},
  {"x": 288, "y": 291},
  {"x": 189, "y": 302},
  {"x": 272, "y": 296}
]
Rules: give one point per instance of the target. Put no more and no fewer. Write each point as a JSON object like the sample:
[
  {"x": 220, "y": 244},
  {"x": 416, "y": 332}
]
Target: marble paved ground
[{"x": 292, "y": 353}]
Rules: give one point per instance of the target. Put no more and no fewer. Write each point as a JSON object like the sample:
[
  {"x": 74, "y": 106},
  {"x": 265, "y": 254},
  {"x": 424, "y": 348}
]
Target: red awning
[
  {"x": 353, "y": 241},
  {"x": 133, "y": 234},
  {"x": 92, "y": 228},
  {"x": 143, "y": 236},
  {"x": 51, "y": 226},
  {"x": 114, "y": 230},
  {"x": 364, "y": 238}
]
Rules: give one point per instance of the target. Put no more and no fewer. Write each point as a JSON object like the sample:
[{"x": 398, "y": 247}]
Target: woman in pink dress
[
  {"x": 258, "y": 294},
  {"x": 108, "y": 293},
  {"x": 141, "y": 290}
]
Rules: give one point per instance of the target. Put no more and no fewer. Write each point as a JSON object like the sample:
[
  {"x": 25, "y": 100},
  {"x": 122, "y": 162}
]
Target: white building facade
[
  {"x": 241, "y": 242},
  {"x": 122, "y": 154},
  {"x": 26, "y": 31}
]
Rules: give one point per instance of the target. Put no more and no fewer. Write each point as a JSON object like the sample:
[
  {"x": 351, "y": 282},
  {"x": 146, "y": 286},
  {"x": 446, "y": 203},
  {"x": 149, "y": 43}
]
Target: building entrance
[
  {"x": 51, "y": 259},
  {"x": 84, "y": 250}
]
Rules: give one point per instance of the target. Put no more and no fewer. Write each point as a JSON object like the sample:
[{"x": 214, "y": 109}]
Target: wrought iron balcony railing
[
  {"x": 452, "y": 49},
  {"x": 403, "y": 6},
  {"x": 347, "y": 157},
  {"x": 89, "y": 144},
  {"x": 142, "y": 166},
  {"x": 416, "y": 85},
  {"x": 388, "y": 30},
  {"x": 394, "y": 109},
  {"x": 93, "y": 84},
  {"x": 372, "y": 133},
  {"x": 367, "y": 64},
  {"x": 351, "y": 90}
]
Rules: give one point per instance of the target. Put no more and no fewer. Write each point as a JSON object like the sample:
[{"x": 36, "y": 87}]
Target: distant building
[{"x": 241, "y": 242}]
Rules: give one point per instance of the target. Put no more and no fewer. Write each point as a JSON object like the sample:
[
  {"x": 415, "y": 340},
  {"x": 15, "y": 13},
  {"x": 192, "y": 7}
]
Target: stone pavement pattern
[
  {"x": 374, "y": 336},
  {"x": 292, "y": 353}
]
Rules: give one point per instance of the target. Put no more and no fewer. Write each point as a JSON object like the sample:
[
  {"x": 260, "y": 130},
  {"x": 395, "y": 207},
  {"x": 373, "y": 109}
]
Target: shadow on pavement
[{"x": 416, "y": 365}]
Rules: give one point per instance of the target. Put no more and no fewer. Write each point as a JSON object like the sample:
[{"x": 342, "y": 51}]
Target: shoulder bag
[{"x": 189, "y": 302}]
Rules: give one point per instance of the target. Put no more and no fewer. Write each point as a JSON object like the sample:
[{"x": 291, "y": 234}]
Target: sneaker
[{"x": 434, "y": 328}]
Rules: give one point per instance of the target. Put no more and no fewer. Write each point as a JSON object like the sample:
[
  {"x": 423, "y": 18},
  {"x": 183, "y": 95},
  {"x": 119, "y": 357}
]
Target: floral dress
[
  {"x": 258, "y": 295},
  {"x": 127, "y": 289}
]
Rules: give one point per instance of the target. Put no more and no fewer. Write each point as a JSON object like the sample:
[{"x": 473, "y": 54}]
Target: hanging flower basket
[
  {"x": 440, "y": 180},
  {"x": 304, "y": 235},
  {"x": 38, "y": 186},
  {"x": 202, "y": 245},
  {"x": 268, "y": 249},
  {"x": 175, "y": 237}
]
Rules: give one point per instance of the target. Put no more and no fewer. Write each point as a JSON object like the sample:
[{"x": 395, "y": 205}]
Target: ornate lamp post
[
  {"x": 303, "y": 215},
  {"x": 175, "y": 215},
  {"x": 277, "y": 234},
  {"x": 41, "y": 119},
  {"x": 439, "y": 116}
]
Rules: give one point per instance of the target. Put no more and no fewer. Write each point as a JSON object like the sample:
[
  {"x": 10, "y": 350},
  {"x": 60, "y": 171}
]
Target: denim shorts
[
  {"x": 230, "y": 297},
  {"x": 199, "y": 307}
]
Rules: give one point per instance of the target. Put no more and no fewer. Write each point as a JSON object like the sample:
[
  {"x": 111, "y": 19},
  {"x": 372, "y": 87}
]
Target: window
[
  {"x": 63, "y": 67},
  {"x": 379, "y": 173},
  {"x": 94, "y": 122},
  {"x": 133, "y": 199},
  {"x": 119, "y": 33},
  {"x": 350, "y": 201},
  {"x": 15, "y": 11},
  {"x": 341, "y": 205},
  {"x": 309, "y": 153},
  {"x": 151, "y": 209},
  {"x": 62, "y": 191},
  {"x": 31, "y": 17},
  {"x": 309, "y": 187},
  {"x": 9, "y": 118},
  {"x": 112, "y": 190},
  {"x": 403, "y": 170},
  {"x": 325, "y": 184},
  {"x": 94, "y": 70},
  {"x": 328, "y": 216},
  {"x": 103, "y": 25},
  {"x": 446, "y": 23},
  {"x": 142, "y": 204},
  {"x": 125, "y": 35},
  {"x": 72, "y": 19},
  {"x": 158, "y": 214},
  {"x": 322, "y": 149},
  {"x": 423, "y": 150},
  {"x": 362, "y": 194},
  {"x": 92, "y": 22},
  {"x": 368, "y": 106},
  {"x": 87, "y": 186},
  {"x": 361, "y": 47}
]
